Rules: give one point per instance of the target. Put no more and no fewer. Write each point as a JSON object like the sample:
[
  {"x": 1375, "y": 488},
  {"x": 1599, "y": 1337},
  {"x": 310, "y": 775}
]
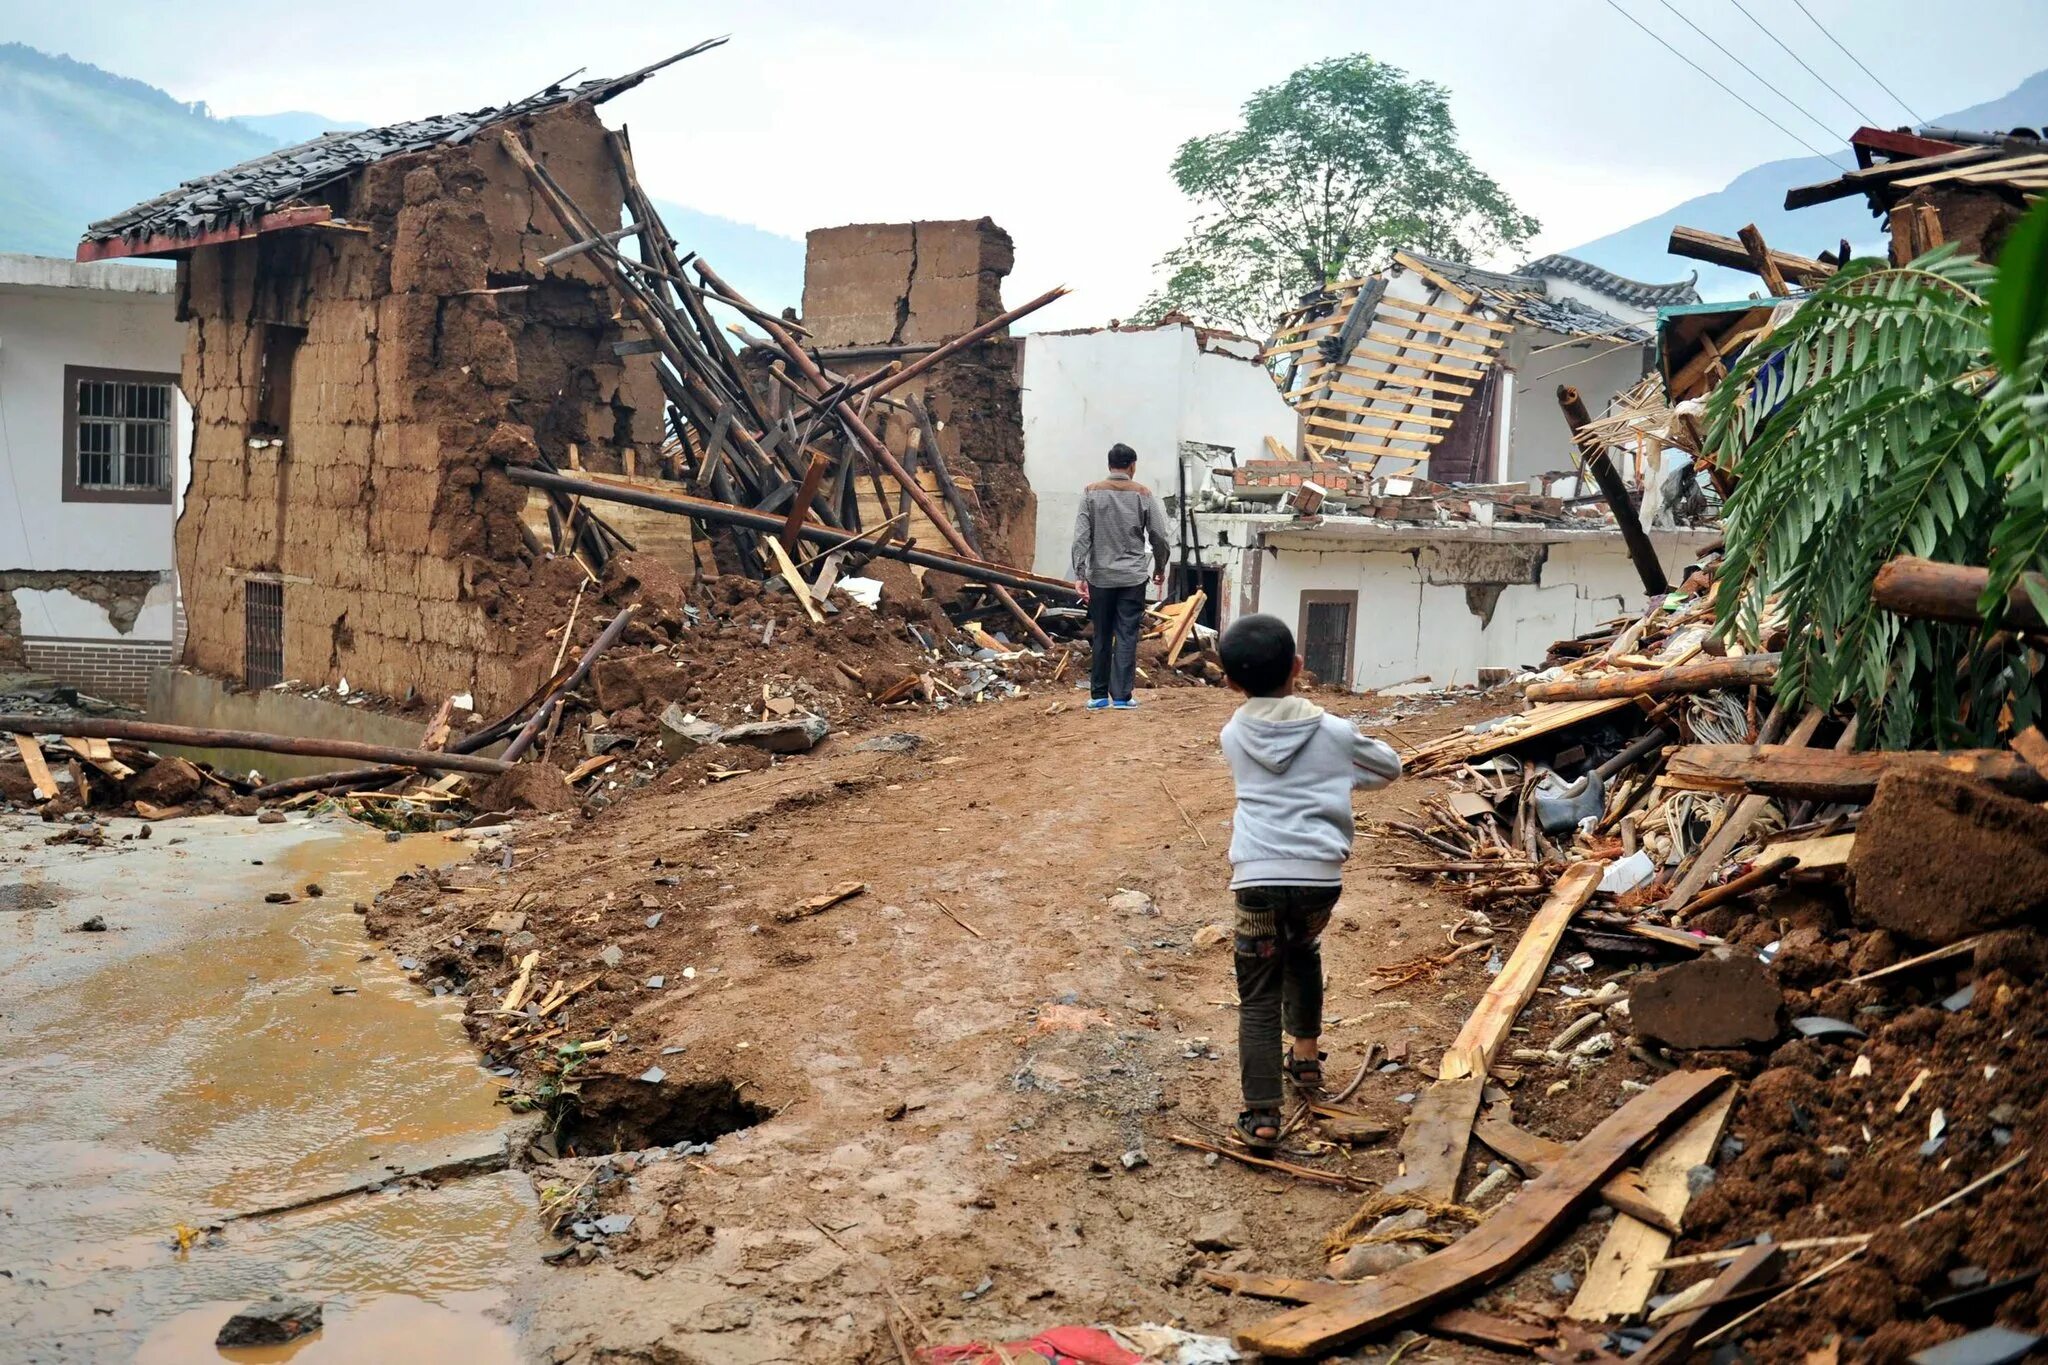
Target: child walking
[{"x": 1295, "y": 766}]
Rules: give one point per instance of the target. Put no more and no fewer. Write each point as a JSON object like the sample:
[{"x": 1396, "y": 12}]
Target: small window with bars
[
  {"x": 120, "y": 444},
  {"x": 262, "y": 633}
]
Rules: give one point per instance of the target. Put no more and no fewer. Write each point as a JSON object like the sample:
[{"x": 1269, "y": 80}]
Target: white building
[
  {"x": 1375, "y": 603},
  {"x": 1187, "y": 399},
  {"x": 93, "y": 438}
]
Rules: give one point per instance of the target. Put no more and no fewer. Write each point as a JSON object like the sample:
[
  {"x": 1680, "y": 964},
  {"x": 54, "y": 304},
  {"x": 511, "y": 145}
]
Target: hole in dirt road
[{"x": 620, "y": 1114}]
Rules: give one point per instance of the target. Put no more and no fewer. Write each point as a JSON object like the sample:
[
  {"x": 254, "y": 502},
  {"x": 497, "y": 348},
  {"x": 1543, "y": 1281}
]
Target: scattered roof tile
[{"x": 241, "y": 194}]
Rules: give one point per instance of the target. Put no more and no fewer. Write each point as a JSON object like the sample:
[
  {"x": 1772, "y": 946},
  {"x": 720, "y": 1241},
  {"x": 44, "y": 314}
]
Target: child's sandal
[
  {"x": 1306, "y": 1072},
  {"x": 1252, "y": 1123}
]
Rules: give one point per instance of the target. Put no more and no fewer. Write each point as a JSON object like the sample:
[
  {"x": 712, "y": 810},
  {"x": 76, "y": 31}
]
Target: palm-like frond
[{"x": 1874, "y": 424}]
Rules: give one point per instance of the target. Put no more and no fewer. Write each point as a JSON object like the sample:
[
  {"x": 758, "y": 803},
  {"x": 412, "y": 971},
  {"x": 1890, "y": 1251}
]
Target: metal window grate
[
  {"x": 262, "y": 633},
  {"x": 1326, "y": 648},
  {"x": 124, "y": 434}
]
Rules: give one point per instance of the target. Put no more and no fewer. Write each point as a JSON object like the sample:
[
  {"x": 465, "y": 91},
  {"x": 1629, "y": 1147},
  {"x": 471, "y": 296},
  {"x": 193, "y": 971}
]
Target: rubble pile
[{"x": 1804, "y": 978}]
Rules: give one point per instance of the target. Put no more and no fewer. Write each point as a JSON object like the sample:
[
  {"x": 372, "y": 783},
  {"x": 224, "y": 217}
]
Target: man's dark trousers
[{"x": 1118, "y": 614}]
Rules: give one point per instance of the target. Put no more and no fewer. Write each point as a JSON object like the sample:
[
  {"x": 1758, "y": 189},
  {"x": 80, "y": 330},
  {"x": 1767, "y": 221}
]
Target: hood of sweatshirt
[{"x": 1273, "y": 730}]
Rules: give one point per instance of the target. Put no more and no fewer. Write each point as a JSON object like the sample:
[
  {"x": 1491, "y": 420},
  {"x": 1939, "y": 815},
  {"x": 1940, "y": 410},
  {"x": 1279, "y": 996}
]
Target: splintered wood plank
[
  {"x": 1511, "y": 1234},
  {"x": 1434, "y": 1142},
  {"x": 100, "y": 754},
  {"x": 38, "y": 771},
  {"x": 1474, "y": 1048},
  {"x": 1533, "y": 1155},
  {"x": 1177, "y": 637},
  {"x": 1624, "y": 1274},
  {"x": 1815, "y": 855},
  {"x": 1459, "y": 1324},
  {"x": 797, "y": 586}
]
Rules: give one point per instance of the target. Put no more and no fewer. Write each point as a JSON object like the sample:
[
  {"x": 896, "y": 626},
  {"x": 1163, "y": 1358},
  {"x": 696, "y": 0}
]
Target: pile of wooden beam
[{"x": 773, "y": 460}]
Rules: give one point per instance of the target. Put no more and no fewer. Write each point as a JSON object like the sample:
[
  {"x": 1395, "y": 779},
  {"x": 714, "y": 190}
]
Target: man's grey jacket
[{"x": 1118, "y": 517}]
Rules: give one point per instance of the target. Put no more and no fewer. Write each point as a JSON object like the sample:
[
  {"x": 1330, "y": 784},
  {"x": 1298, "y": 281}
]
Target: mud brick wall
[
  {"x": 892, "y": 284},
  {"x": 397, "y": 543}
]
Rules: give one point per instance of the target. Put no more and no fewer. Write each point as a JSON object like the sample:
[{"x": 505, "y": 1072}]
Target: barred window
[{"x": 119, "y": 442}]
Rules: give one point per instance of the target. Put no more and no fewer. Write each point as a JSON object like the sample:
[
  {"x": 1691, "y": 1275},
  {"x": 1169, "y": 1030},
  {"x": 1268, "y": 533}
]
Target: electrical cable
[
  {"x": 1616, "y": 7},
  {"x": 1822, "y": 124},
  {"x": 1853, "y": 106},
  {"x": 1859, "y": 62}
]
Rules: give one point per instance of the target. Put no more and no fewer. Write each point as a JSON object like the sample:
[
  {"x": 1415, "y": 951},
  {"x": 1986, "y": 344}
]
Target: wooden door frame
[{"x": 1348, "y": 597}]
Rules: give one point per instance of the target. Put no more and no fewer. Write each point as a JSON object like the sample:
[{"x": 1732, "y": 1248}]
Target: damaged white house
[
  {"x": 1453, "y": 533},
  {"x": 94, "y": 435}
]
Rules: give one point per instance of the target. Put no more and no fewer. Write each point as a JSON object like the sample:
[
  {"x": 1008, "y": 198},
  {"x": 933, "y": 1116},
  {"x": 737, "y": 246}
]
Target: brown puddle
[{"x": 194, "y": 1062}]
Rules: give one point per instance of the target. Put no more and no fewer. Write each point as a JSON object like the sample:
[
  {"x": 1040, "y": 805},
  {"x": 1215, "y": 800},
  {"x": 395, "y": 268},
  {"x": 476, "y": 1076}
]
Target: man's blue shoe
[
  {"x": 1098, "y": 703},
  {"x": 1127, "y": 704}
]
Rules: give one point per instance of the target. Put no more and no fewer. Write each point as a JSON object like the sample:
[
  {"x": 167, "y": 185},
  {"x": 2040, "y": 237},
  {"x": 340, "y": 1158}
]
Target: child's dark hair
[
  {"x": 1258, "y": 654},
  {"x": 1122, "y": 456}
]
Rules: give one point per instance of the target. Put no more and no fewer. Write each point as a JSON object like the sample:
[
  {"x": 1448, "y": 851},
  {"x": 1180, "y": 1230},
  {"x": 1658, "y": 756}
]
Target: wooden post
[
  {"x": 1949, "y": 592},
  {"x": 1761, "y": 260},
  {"x": 152, "y": 732},
  {"x": 523, "y": 741},
  {"x": 801, "y": 505},
  {"x": 1609, "y": 478}
]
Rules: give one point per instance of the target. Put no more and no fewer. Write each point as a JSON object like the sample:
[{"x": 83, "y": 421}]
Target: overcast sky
[{"x": 1059, "y": 119}]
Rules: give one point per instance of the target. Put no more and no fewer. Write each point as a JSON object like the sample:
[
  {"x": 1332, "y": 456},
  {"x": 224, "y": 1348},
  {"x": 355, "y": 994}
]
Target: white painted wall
[
  {"x": 1151, "y": 389},
  {"x": 1413, "y": 620},
  {"x": 1539, "y": 440},
  {"x": 53, "y": 314}
]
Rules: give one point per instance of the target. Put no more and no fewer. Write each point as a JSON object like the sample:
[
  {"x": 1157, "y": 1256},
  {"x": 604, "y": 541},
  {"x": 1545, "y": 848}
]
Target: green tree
[
  {"x": 1877, "y": 423},
  {"x": 1333, "y": 169}
]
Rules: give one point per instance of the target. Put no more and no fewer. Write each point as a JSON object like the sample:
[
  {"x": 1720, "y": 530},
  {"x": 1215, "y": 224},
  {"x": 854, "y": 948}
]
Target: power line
[
  {"x": 1613, "y": 5},
  {"x": 1853, "y": 106},
  {"x": 1859, "y": 62},
  {"x": 1821, "y": 124}
]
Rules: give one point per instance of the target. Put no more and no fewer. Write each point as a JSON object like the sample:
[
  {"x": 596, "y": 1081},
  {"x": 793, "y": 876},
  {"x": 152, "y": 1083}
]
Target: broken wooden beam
[
  {"x": 1713, "y": 248},
  {"x": 523, "y": 741},
  {"x": 1674, "y": 1342},
  {"x": 1762, "y": 261},
  {"x": 1594, "y": 452},
  {"x": 1457, "y": 1324},
  {"x": 153, "y": 732},
  {"x": 975, "y": 570},
  {"x": 1826, "y": 776},
  {"x": 1440, "y": 1123},
  {"x": 1533, "y": 1154},
  {"x": 1511, "y": 1234},
  {"x": 1711, "y": 675},
  {"x": 881, "y": 382},
  {"x": 1933, "y": 591}
]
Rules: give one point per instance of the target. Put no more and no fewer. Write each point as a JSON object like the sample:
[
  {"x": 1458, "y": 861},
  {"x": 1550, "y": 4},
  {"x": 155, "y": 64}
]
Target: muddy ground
[{"x": 946, "y": 1109}]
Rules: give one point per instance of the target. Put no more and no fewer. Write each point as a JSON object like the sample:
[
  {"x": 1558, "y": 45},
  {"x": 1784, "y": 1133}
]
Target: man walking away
[{"x": 1119, "y": 518}]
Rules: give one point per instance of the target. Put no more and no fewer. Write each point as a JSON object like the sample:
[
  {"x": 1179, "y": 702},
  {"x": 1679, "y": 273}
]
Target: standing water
[{"x": 196, "y": 1061}]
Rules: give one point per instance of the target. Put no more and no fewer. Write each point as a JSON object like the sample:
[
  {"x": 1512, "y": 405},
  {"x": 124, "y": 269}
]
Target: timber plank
[
  {"x": 1484, "y": 1032},
  {"x": 1459, "y": 1324},
  {"x": 1824, "y": 775},
  {"x": 38, "y": 771},
  {"x": 1434, "y": 1142},
  {"x": 1533, "y": 1155},
  {"x": 1623, "y": 1274},
  {"x": 1511, "y": 1235}
]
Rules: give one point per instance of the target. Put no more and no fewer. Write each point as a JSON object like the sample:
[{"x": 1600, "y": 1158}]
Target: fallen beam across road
[{"x": 150, "y": 732}]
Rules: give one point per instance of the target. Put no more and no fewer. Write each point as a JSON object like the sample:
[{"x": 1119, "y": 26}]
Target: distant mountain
[
  {"x": 78, "y": 144},
  {"x": 1758, "y": 196},
  {"x": 294, "y": 126}
]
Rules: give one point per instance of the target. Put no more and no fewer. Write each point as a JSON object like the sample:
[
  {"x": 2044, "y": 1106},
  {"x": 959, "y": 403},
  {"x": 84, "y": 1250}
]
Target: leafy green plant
[
  {"x": 1875, "y": 424},
  {"x": 1333, "y": 168}
]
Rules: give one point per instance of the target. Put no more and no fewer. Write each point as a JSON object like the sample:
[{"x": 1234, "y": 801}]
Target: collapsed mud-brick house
[
  {"x": 369, "y": 322},
  {"x": 877, "y": 293},
  {"x": 1433, "y": 523},
  {"x": 92, "y": 443}
]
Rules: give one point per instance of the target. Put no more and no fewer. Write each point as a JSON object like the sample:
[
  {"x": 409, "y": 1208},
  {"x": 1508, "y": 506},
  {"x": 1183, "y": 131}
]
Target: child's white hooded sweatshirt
[{"x": 1296, "y": 766}]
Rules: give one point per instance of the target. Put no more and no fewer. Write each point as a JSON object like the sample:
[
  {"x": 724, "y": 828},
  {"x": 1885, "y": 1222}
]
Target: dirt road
[{"x": 979, "y": 1116}]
